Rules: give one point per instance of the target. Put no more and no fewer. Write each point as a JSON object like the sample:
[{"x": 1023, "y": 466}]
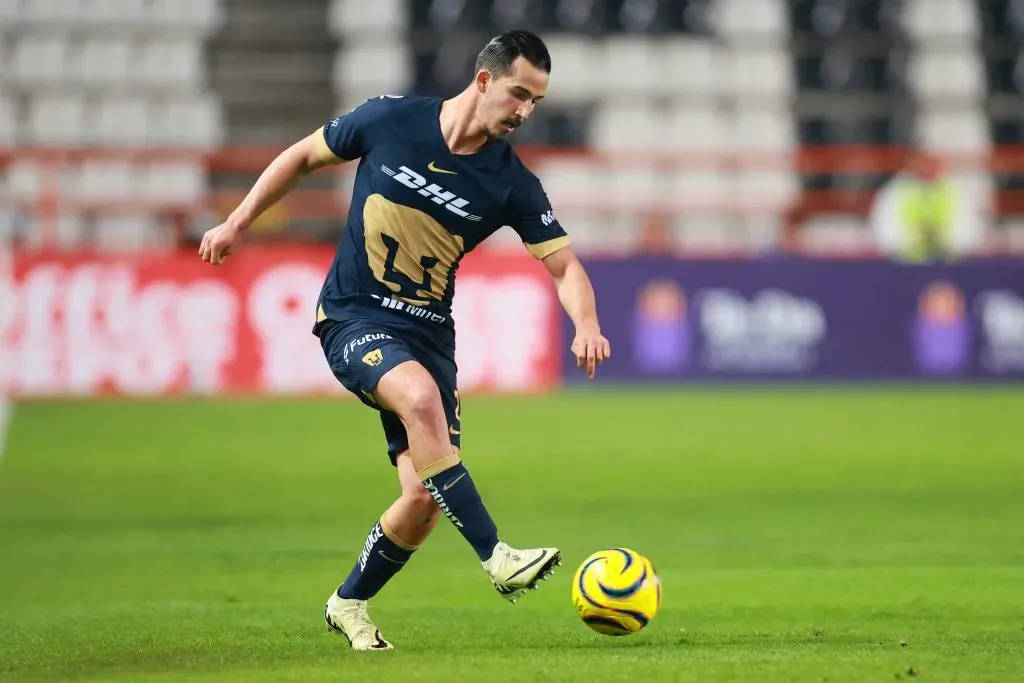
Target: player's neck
[{"x": 461, "y": 132}]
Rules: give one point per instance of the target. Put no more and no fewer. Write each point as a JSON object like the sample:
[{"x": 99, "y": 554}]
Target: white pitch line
[
  {"x": 6, "y": 412},
  {"x": 7, "y": 304}
]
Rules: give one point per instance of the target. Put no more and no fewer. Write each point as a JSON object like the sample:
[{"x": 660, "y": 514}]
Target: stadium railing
[{"x": 788, "y": 188}]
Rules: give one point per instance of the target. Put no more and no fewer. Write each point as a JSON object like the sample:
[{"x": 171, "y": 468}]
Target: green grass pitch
[{"x": 801, "y": 535}]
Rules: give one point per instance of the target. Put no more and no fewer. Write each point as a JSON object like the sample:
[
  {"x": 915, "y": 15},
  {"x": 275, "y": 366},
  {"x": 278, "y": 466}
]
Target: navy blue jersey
[{"x": 417, "y": 209}]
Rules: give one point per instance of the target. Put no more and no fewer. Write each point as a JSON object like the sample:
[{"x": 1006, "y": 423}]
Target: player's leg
[
  {"x": 394, "y": 537},
  {"x": 414, "y": 513},
  {"x": 411, "y": 392},
  {"x": 358, "y": 353},
  {"x": 400, "y": 531},
  {"x": 425, "y": 397}
]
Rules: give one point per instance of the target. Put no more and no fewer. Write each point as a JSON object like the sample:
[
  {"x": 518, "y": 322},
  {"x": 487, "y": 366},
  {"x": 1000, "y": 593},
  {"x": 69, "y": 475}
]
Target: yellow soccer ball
[{"x": 616, "y": 591}]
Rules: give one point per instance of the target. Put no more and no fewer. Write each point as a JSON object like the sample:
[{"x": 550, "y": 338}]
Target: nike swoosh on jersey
[
  {"x": 389, "y": 559},
  {"x": 453, "y": 431},
  {"x": 435, "y": 169},
  {"x": 453, "y": 482}
]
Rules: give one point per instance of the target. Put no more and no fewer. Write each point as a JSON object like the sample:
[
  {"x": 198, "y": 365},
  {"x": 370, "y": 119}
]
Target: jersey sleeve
[
  {"x": 350, "y": 135},
  {"x": 533, "y": 219}
]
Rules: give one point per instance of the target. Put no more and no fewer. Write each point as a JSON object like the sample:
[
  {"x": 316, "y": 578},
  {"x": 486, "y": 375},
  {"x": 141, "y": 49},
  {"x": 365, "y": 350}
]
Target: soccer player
[{"x": 435, "y": 178}]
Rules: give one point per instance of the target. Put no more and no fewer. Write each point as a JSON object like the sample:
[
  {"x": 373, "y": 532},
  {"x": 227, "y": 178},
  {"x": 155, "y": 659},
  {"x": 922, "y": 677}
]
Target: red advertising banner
[{"x": 158, "y": 324}]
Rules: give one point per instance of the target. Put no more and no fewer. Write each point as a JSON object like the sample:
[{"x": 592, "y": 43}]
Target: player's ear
[{"x": 482, "y": 80}]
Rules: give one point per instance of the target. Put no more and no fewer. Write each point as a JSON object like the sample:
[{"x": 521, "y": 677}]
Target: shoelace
[{"x": 364, "y": 625}]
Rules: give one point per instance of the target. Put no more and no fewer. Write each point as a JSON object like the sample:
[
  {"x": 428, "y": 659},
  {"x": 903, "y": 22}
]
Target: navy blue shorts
[{"x": 360, "y": 352}]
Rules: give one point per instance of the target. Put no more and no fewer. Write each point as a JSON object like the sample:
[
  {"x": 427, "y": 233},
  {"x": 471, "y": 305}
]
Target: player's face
[{"x": 509, "y": 100}]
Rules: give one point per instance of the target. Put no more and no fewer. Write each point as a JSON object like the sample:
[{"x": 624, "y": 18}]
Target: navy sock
[
  {"x": 380, "y": 559},
  {"x": 456, "y": 495}
]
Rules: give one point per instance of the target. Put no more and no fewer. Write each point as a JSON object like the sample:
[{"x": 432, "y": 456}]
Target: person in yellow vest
[{"x": 922, "y": 215}]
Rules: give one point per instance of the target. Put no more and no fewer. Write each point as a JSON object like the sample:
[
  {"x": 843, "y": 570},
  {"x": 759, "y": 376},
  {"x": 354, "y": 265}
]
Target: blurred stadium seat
[
  {"x": 1002, "y": 23},
  {"x": 108, "y": 74},
  {"x": 725, "y": 95},
  {"x": 8, "y": 122}
]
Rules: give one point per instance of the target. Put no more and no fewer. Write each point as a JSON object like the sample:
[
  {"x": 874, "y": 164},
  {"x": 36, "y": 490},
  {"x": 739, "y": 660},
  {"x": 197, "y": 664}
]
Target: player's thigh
[
  {"x": 361, "y": 353},
  {"x": 385, "y": 372},
  {"x": 443, "y": 370},
  {"x": 443, "y": 399},
  {"x": 440, "y": 364},
  {"x": 410, "y": 391}
]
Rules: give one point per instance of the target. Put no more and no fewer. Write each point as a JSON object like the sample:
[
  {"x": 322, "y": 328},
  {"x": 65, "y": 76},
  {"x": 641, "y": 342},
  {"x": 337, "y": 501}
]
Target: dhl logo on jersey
[{"x": 437, "y": 194}]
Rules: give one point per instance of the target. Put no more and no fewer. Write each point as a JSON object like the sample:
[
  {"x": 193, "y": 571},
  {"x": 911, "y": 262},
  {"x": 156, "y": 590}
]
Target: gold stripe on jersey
[
  {"x": 398, "y": 239},
  {"x": 395, "y": 538},
  {"x": 325, "y": 153},
  {"x": 435, "y": 468},
  {"x": 545, "y": 249}
]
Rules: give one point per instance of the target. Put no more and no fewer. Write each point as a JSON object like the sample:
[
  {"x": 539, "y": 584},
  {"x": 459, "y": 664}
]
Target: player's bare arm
[
  {"x": 577, "y": 297},
  {"x": 276, "y": 181}
]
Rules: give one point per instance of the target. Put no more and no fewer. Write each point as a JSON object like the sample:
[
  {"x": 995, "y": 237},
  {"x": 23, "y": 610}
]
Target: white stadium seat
[
  {"x": 108, "y": 13},
  {"x": 8, "y": 122},
  {"x": 742, "y": 20},
  {"x": 953, "y": 74},
  {"x": 40, "y": 59},
  {"x": 610, "y": 234},
  {"x": 102, "y": 62},
  {"x": 173, "y": 181},
  {"x": 693, "y": 67},
  {"x": 194, "y": 121},
  {"x": 963, "y": 130},
  {"x": 44, "y": 12},
  {"x": 11, "y": 12},
  {"x": 634, "y": 125},
  {"x": 572, "y": 80},
  {"x": 763, "y": 128},
  {"x": 24, "y": 179},
  {"x": 177, "y": 63},
  {"x": 569, "y": 181},
  {"x": 700, "y": 186},
  {"x": 772, "y": 188},
  {"x": 71, "y": 231},
  {"x": 635, "y": 187},
  {"x": 59, "y": 120},
  {"x": 121, "y": 122},
  {"x": 694, "y": 127},
  {"x": 703, "y": 233},
  {"x": 634, "y": 65},
  {"x": 761, "y": 72},
  {"x": 107, "y": 73},
  {"x": 365, "y": 18},
  {"x": 105, "y": 180},
  {"x": 926, "y": 20},
  {"x": 375, "y": 67},
  {"x": 202, "y": 17},
  {"x": 128, "y": 232}
]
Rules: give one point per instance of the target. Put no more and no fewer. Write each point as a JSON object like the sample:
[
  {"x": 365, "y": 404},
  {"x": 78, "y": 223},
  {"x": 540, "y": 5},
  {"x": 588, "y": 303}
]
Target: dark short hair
[{"x": 499, "y": 54}]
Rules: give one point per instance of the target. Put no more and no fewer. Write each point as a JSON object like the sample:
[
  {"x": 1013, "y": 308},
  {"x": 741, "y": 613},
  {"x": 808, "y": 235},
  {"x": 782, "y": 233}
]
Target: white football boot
[
  {"x": 514, "y": 572},
  {"x": 351, "y": 619}
]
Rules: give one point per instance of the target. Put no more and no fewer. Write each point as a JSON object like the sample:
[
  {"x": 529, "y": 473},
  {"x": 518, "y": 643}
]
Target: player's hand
[
  {"x": 590, "y": 348},
  {"x": 218, "y": 242}
]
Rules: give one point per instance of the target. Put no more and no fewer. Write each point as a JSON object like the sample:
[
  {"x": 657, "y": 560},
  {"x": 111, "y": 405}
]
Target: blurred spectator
[
  {"x": 13, "y": 221},
  {"x": 921, "y": 214},
  {"x": 655, "y": 234}
]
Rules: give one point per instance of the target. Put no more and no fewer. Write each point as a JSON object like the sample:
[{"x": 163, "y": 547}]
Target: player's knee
[
  {"x": 420, "y": 501},
  {"x": 431, "y": 516},
  {"x": 423, "y": 403}
]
